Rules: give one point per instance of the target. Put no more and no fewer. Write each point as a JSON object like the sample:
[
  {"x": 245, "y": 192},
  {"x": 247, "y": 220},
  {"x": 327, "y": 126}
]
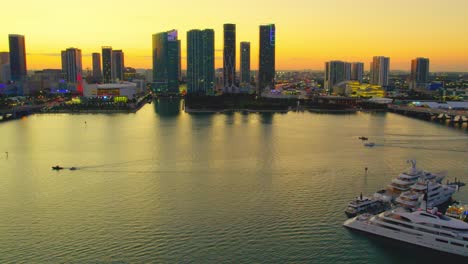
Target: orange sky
[{"x": 309, "y": 32}]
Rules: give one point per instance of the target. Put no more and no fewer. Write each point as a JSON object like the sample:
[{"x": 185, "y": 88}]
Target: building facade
[
  {"x": 18, "y": 68},
  {"x": 419, "y": 76},
  {"x": 107, "y": 64},
  {"x": 72, "y": 69},
  {"x": 245, "y": 63},
  {"x": 266, "y": 63},
  {"x": 357, "y": 71},
  {"x": 4, "y": 60},
  {"x": 200, "y": 62},
  {"x": 335, "y": 73},
  {"x": 117, "y": 66},
  {"x": 166, "y": 48},
  {"x": 97, "y": 72},
  {"x": 229, "y": 58},
  {"x": 380, "y": 71}
]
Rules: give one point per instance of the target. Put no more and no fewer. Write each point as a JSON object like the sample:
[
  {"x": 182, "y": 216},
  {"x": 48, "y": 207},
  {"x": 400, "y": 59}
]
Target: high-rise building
[
  {"x": 166, "y": 48},
  {"x": 200, "y": 62},
  {"x": 380, "y": 70},
  {"x": 71, "y": 65},
  {"x": 4, "y": 60},
  {"x": 357, "y": 71},
  {"x": 335, "y": 72},
  {"x": 348, "y": 67},
  {"x": 419, "y": 72},
  {"x": 266, "y": 67},
  {"x": 245, "y": 62},
  {"x": 18, "y": 67},
  {"x": 107, "y": 64},
  {"x": 5, "y": 72},
  {"x": 117, "y": 65},
  {"x": 229, "y": 58},
  {"x": 97, "y": 72}
]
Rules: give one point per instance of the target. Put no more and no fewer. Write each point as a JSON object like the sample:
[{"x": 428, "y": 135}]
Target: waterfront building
[
  {"x": 380, "y": 71},
  {"x": 229, "y": 58},
  {"x": 107, "y": 64},
  {"x": 118, "y": 91},
  {"x": 166, "y": 52},
  {"x": 18, "y": 68},
  {"x": 200, "y": 62},
  {"x": 245, "y": 63},
  {"x": 357, "y": 71},
  {"x": 4, "y": 60},
  {"x": 363, "y": 90},
  {"x": 97, "y": 72},
  {"x": 335, "y": 73},
  {"x": 347, "y": 71},
  {"x": 117, "y": 65},
  {"x": 266, "y": 63},
  {"x": 419, "y": 76}
]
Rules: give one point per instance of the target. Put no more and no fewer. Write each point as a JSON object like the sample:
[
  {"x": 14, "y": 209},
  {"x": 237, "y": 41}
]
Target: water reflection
[{"x": 167, "y": 107}]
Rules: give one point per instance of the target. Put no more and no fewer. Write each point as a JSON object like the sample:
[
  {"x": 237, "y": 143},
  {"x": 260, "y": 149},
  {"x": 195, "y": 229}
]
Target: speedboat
[
  {"x": 57, "y": 167},
  {"x": 370, "y": 144},
  {"x": 73, "y": 168},
  {"x": 428, "y": 229},
  {"x": 363, "y": 138}
]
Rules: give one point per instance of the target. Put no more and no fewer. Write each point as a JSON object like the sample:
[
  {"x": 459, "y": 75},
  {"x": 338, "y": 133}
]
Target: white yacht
[
  {"x": 406, "y": 179},
  {"x": 437, "y": 194},
  {"x": 422, "y": 228}
]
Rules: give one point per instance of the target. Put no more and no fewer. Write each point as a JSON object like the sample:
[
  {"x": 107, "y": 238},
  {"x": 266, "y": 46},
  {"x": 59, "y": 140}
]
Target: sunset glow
[{"x": 308, "y": 32}]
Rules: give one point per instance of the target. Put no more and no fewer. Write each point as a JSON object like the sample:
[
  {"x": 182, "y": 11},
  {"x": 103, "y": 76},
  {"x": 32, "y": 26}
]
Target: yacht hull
[{"x": 417, "y": 238}]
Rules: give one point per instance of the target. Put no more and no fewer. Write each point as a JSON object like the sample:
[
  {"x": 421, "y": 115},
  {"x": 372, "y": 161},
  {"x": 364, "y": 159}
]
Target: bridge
[
  {"x": 454, "y": 116},
  {"x": 18, "y": 112}
]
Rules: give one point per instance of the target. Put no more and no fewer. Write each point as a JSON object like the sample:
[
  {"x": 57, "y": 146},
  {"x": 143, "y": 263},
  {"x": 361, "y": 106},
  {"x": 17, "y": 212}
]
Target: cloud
[{"x": 44, "y": 54}]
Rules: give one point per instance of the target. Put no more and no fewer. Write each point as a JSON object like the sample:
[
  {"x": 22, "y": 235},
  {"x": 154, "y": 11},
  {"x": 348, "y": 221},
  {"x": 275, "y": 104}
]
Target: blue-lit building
[
  {"x": 266, "y": 63},
  {"x": 166, "y": 62}
]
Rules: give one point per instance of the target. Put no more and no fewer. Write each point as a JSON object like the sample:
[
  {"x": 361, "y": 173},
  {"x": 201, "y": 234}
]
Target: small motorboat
[
  {"x": 73, "y": 168},
  {"x": 370, "y": 144},
  {"x": 363, "y": 138},
  {"x": 57, "y": 167}
]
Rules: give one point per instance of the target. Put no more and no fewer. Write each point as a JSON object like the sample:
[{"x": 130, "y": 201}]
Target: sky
[{"x": 308, "y": 32}]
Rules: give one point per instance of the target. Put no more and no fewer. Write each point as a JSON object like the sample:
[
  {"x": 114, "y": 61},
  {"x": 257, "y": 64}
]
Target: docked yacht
[
  {"x": 437, "y": 194},
  {"x": 405, "y": 180},
  {"x": 423, "y": 228}
]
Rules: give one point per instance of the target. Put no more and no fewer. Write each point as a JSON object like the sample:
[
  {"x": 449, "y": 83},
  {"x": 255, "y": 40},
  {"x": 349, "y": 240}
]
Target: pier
[
  {"x": 18, "y": 112},
  {"x": 453, "y": 116}
]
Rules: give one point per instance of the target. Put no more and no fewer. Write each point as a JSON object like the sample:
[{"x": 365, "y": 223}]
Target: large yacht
[
  {"x": 406, "y": 179},
  {"x": 437, "y": 194},
  {"x": 423, "y": 228}
]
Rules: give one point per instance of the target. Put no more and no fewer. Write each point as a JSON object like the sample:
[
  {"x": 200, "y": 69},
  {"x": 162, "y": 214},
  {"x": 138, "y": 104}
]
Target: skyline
[{"x": 309, "y": 33}]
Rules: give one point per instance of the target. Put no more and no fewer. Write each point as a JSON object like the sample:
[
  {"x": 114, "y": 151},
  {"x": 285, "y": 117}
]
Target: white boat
[
  {"x": 427, "y": 229},
  {"x": 437, "y": 194},
  {"x": 369, "y": 144}
]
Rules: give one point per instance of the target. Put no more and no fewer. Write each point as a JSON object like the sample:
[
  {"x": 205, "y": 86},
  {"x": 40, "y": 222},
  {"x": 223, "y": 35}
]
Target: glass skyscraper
[
  {"x": 200, "y": 62},
  {"x": 18, "y": 68},
  {"x": 335, "y": 72},
  {"x": 107, "y": 64},
  {"x": 245, "y": 62},
  {"x": 266, "y": 68},
  {"x": 229, "y": 58},
  {"x": 166, "y": 48}
]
